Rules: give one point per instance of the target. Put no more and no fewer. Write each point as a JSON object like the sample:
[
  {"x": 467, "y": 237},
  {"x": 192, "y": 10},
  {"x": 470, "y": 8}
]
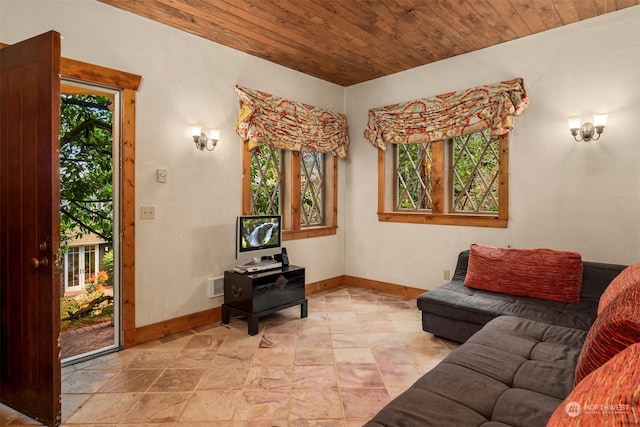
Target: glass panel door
[
  {"x": 73, "y": 281},
  {"x": 89, "y": 267},
  {"x": 89, "y": 208}
]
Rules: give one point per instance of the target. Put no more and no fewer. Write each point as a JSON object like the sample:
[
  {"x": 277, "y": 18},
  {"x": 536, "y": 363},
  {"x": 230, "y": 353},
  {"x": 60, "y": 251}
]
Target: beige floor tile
[
  {"x": 356, "y": 350},
  {"x": 70, "y": 404},
  {"x": 393, "y": 355},
  {"x": 351, "y": 327},
  {"x": 373, "y": 315},
  {"x": 289, "y": 326},
  {"x": 309, "y": 327},
  {"x": 158, "y": 408},
  {"x": 316, "y": 404},
  {"x": 353, "y": 356},
  {"x": 400, "y": 375},
  {"x": 314, "y": 356},
  {"x": 313, "y": 377},
  {"x": 156, "y": 357},
  {"x": 177, "y": 380},
  {"x": 271, "y": 340},
  {"x": 349, "y": 340},
  {"x": 105, "y": 408},
  {"x": 263, "y": 405},
  {"x": 86, "y": 380},
  {"x": 130, "y": 380},
  {"x": 269, "y": 378},
  {"x": 282, "y": 356},
  {"x": 234, "y": 357},
  {"x": 211, "y": 405},
  {"x": 384, "y": 339},
  {"x": 362, "y": 403},
  {"x": 224, "y": 377},
  {"x": 315, "y": 341},
  {"x": 359, "y": 376},
  {"x": 195, "y": 358}
]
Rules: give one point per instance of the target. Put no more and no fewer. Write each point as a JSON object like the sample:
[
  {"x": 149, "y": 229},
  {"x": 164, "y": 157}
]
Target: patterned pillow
[
  {"x": 628, "y": 277},
  {"x": 608, "y": 396},
  {"x": 616, "y": 328},
  {"x": 537, "y": 273}
]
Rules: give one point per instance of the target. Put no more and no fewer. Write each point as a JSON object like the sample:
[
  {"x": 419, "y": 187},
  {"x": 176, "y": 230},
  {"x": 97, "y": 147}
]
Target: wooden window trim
[
  {"x": 296, "y": 188},
  {"x": 438, "y": 195},
  {"x": 294, "y": 231},
  {"x": 438, "y": 216}
]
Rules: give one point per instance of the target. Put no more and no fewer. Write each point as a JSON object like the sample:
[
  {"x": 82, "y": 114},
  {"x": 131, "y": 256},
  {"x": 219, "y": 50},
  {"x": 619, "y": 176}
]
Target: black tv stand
[{"x": 255, "y": 295}]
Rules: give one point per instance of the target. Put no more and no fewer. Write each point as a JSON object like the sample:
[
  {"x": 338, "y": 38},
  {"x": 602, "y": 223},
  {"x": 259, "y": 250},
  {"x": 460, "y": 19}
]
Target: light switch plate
[{"x": 161, "y": 175}]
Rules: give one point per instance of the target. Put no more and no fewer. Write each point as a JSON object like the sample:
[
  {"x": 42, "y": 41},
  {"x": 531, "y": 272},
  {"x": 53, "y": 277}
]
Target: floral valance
[
  {"x": 290, "y": 125},
  {"x": 448, "y": 115}
]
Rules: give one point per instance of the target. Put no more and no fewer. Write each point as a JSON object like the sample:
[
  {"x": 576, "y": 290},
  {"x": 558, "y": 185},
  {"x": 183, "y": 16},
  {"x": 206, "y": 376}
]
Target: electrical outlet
[
  {"x": 446, "y": 275},
  {"x": 148, "y": 212}
]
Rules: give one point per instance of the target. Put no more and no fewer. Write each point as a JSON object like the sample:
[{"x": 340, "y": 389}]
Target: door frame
[{"x": 127, "y": 84}]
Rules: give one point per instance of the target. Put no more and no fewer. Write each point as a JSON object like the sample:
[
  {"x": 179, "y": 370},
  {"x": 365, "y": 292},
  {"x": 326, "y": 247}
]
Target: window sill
[
  {"x": 478, "y": 220},
  {"x": 308, "y": 232}
]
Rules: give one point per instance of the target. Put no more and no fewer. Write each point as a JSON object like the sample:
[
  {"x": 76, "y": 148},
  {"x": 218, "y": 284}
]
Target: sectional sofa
[{"x": 541, "y": 331}]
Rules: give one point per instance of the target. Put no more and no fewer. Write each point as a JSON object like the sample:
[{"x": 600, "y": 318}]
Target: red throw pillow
[
  {"x": 608, "y": 396},
  {"x": 536, "y": 273},
  {"x": 627, "y": 278},
  {"x": 616, "y": 328}
]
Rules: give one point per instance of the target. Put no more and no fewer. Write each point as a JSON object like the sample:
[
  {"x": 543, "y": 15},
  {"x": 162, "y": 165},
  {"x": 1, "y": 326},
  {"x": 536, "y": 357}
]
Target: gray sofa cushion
[
  {"x": 457, "y": 301},
  {"x": 513, "y": 372},
  {"x": 454, "y": 311}
]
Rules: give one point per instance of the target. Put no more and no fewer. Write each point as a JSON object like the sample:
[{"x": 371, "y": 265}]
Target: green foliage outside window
[
  {"x": 474, "y": 169},
  {"x": 266, "y": 172},
  {"x": 413, "y": 176},
  {"x": 475, "y": 173},
  {"x": 312, "y": 180},
  {"x": 86, "y": 172}
]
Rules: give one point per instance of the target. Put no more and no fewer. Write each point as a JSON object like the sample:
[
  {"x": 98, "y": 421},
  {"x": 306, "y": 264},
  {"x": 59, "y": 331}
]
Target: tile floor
[{"x": 355, "y": 351}]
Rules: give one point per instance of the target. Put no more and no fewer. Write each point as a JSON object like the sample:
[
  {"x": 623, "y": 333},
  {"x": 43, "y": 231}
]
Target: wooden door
[{"x": 30, "y": 227}]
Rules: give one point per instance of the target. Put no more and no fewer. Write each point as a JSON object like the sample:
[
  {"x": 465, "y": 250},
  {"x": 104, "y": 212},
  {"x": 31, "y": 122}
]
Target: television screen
[{"x": 259, "y": 232}]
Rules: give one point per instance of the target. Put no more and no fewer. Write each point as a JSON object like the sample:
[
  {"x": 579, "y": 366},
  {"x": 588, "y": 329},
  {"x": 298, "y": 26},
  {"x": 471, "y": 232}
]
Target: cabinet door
[{"x": 278, "y": 290}]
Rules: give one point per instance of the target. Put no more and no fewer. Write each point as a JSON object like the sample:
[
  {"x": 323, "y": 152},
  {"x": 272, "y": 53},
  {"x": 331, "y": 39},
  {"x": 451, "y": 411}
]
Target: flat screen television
[{"x": 258, "y": 232}]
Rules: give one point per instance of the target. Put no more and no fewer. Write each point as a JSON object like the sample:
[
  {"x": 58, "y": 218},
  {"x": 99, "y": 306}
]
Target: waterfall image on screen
[{"x": 259, "y": 233}]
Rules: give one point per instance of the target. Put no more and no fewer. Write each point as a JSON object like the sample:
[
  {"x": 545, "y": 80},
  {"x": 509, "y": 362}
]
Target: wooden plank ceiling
[{"x": 352, "y": 41}]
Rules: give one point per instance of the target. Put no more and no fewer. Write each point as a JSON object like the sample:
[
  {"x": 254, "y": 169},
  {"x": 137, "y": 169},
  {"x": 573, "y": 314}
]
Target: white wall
[
  {"x": 564, "y": 195},
  {"x": 185, "y": 80}
]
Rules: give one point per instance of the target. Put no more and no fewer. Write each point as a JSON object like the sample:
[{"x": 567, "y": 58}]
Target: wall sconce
[
  {"x": 587, "y": 129},
  {"x": 202, "y": 138}
]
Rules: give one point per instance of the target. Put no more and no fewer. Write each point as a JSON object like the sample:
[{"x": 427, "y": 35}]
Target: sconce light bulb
[
  {"x": 599, "y": 120},
  {"x": 195, "y": 130},
  {"x": 574, "y": 122},
  {"x": 214, "y": 134}
]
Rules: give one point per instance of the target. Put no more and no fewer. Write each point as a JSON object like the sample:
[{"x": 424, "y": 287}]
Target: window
[
  {"x": 459, "y": 181},
  {"x": 266, "y": 173},
  {"x": 301, "y": 186},
  {"x": 474, "y": 171},
  {"x": 312, "y": 189}
]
